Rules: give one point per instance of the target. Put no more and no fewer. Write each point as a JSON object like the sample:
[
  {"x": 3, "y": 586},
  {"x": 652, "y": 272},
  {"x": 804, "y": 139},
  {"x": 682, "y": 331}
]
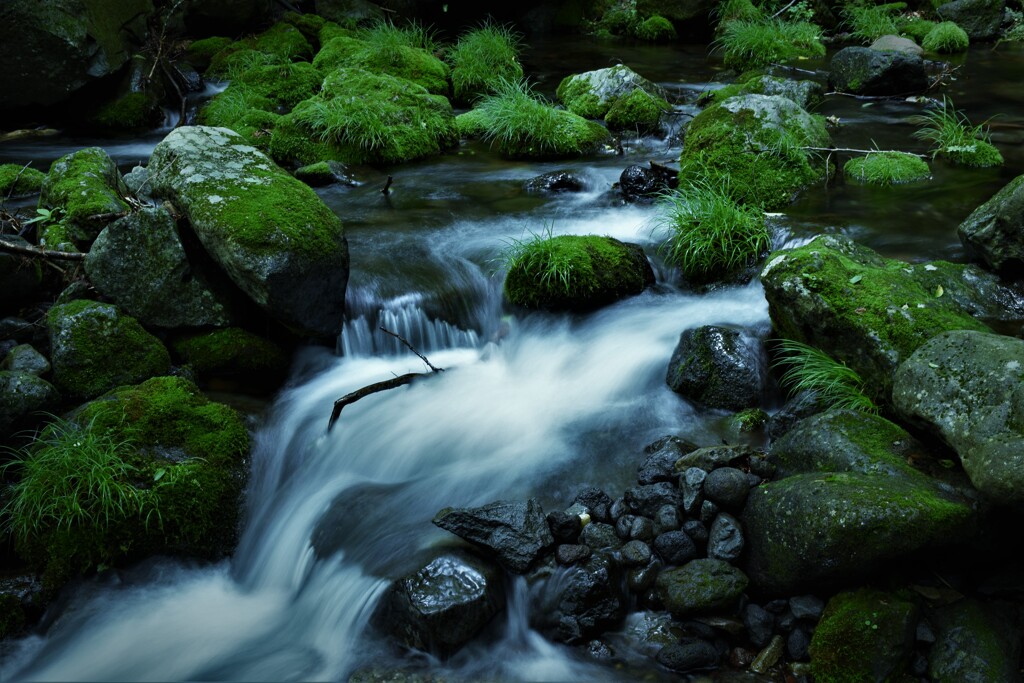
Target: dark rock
[
  {"x": 641, "y": 182},
  {"x": 760, "y": 625},
  {"x": 623, "y": 526},
  {"x": 717, "y": 367},
  {"x": 708, "y": 511},
  {"x": 600, "y": 536},
  {"x": 727, "y": 487},
  {"x": 691, "y": 486},
  {"x": 649, "y": 631},
  {"x": 225, "y": 17},
  {"x": 806, "y": 607},
  {"x": 725, "y": 540},
  {"x": 641, "y": 579},
  {"x": 617, "y": 509},
  {"x": 567, "y": 554},
  {"x": 785, "y": 621},
  {"x": 713, "y": 457},
  {"x": 975, "y": 643},
  {"x": 597, "y": 503},
  {"x": 700, "y": 586},
  {"x": 693, "y": 655},
  {"x": 797, "y": 645},
  {"x": 697, "y": 530},
  {"x": 924, "y": 633},
  {"x": 556, "y": 181},
  {"x": 979, "y": 18},
  {"x": 647, "y": 500},
  {"x": 675, "y": 547},
  {"x": 24, "y": 358},
  {"x": 642, "y": 529},
  {"x": 659, "y": 466},
  {"x": 443, "y": 605},
  {"x": 23, "y": 396},
  {"x": 600, "y": 651},
  {"x": 992, "y": 232},
  {"x": 565, "y": 527},
  {"x": 514, "y": 531},
  {"x": 804, "y": 404},
  {"x": 636, "y": 554},
  {"x": 863, "y": 71},
  {"x": 919, "y": 665},
  {"x": 20, "y": 281},
  {"x": 777, "y": 606},
  {"x": 581, "y": 603},
  {"x": 680, "y": 445},
  {"x": 17, "y": 329},
  {"x": 667, "y": 519},
  {"x": 327, "y": 173}
]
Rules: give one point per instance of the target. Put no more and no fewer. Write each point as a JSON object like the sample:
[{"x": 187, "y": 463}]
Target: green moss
[
  {"x": 805, "y": 93},
  {"x": 865, "y": 635},
  {"x": 81, "y": 185},
  {"x": 229, "y": 107},
  {"x": 291, "y": 143},
  {"x": 750, "y": 44},
  {"x": 574, "y": 272},
  {"x": 738, "y": 10},
  {"x": 237, "y": 56},
  {"x": 471, "y": 124},
  {"x": 134, "y": 110},
  {"x": 977, "y": 154},
  {"x": 96, "y": 348},
  {"x": 56, "y": 237},
  {"x": 637, "y": 110},
  {"x": 17, "y": 180},
  {"x": 762, "y": 163},
  {"x": 887, "y": 168},
  {"x": 310, "y": 25},
  {"x": 401, "y": 61},
  {"x": 915, "y": 28},
  {"x": 283, "y": 84},
  {"x": 332, "y": 30},
  {"x": 749, "y": 420},
  {"x": 946, "y": 37},
  {"x": 655, "y": 28},
  {"x": 230, "y": 350},
  {"x": 578, "y": 97},
  {"x": 284, "y": 41},
  {"x": 481, "y": 58},
  {"x": 200, "y": 53},
  {"x": 338, "y": 52}
]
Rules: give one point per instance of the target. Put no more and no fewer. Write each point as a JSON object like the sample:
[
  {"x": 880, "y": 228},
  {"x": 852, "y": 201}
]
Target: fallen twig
[
  {"x": 41, "y": 253},
  {"x": 411, "y": 348},
  {"x": 861, "y": 151}
]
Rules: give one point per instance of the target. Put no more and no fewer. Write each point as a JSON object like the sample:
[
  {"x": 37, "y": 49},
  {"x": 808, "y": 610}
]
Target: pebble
[
  {"x": 618, "y": 508},
  {"x": 642, "y": 529},
  {"x": 623, "y": 525},
  {"x": 659, "y": 466},
  {"x": 760, "y": 624},
  {"x": 807, "y": 607},
  {"x": 565, "y": 527},
  {"x": 797, "y": 644},
  {"x": 596, "y": 501},
  {"x": 569, "y": 554},
  {"x": 675, "y": 547},
  {"x": 696, "y": 530},
  {"x": 636, "y": 554},
  {"x": 769, "y": 656},
  {"x": 667, "y": 519},
  {"x": 727, "y": 487},
  {"x": 599, "y": 536},
  {"x": 642, "y": 579},
  {"x": 708, "y": 510}
]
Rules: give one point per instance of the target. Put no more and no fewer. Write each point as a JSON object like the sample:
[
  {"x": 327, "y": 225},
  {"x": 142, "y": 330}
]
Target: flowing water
[{"x": 528, "y": 405}]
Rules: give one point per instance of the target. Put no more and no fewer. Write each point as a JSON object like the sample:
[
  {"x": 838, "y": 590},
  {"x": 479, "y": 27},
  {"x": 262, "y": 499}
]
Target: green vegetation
[
  {"x": 230, "y": 350},
  {"x": 200, "y": 53},
  {"x": 915, "y": 28},
  {"x": 954, "y": 138},
  {"x": 283, "y": 41},
  {"x": 810, "y": 369},
  {"x": 388, "y": 36},
  {"x": 638, "y": 110},
  {"x": 520, "y": 124},
  {"x": 886, "y": 168},
  {"x": 482, "y": 58},
  {"x": 946, "y": 37},
  {"x": 737, "y": 10},
  {"x": 751, "y": 44},
  {"x": 134, "y": 110},
  {"x": 709, "y": 236},
  {"x": 84, "y": 184},
  {"x": 16, "y": 180},
  {"x": 655, "y": 28},
  {"x": 404, "y": 52},
  {"x": 870, "y": 22}
]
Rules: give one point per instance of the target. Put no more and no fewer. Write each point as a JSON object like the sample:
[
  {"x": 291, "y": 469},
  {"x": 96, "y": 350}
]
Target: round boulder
[
  {"x": 863, "y": 71},
  {"x": 718, "y": 367}
]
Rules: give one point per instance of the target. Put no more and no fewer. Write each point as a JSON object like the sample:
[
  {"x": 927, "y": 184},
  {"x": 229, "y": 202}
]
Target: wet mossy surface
[
  {"x": 231, "y": 350},
  {"x": 17, "y": 180},
  {"x": 132, "y": 111},
  {"x": 886, "y": 168},
  {"x": 82, "y": 187},
  {"x": 637, "y": 110}
]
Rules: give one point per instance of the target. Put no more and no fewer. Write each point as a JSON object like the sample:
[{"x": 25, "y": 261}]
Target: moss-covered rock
[
  {"x": 981, "y": 19},
  {"x": 975, "y": 642},
  {"x": 23, "y": 395},
  {"x": 310, "y": 25},
  {"x": 231, "y": 351},
  {"x": 269, "y": 232},
  {"x": 637, "y": 111},
  {"x": 284, "y": 41},
  {"x": 285, "y": 85},
  {"x": 750, "y": 44},
  {"x": 592, "y": 94},
  {"x": 84, "y": 188},
  {"x": 946, "y": 37},
  {"x": 94, "y": 348},
  {"x": 200, "y": 53},
  {"x": 718, "y": 367},
  {"x": 814, "y": 529},
  {"x": 131, "y": 111},
  {"x": 992, "y": 232},
  {"x": 17, "y": 180},
  {"x": 871, "y": 312},
  {"x": 56, "y": 237},
  {"x": 401, "y": 61},
  {"x": 863, "y": 71},
  {"x": 887, "y": 168},
  {"x": 806, "y": 94},
  {"x": 700, "y": 586},
  {"x": 575, "y": 272},
  {"x": 864, "y": 635},
  {"x": 655, "y": 28},
  {"x": 480, "y": 59},
  {"x": 755, "y": 146}
]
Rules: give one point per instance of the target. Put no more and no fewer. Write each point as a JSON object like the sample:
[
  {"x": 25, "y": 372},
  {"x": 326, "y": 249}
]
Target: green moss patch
[
  {"x": 17, "y": 180},
  {"x": 887, "y": 168},
  {"x": 83, "y": 187},
  {"x": 638, "y": 110},
  {"x": 230, "y": 350},
  {"x": 284, "y": 41},
  {"x": 132, "y": 111},
  {"x": 656, "y": 29},
  {"x": 200, "y": 53}
]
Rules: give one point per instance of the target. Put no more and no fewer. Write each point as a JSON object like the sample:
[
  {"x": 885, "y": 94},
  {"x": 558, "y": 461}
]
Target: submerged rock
[{"x": 514, "y": 532}]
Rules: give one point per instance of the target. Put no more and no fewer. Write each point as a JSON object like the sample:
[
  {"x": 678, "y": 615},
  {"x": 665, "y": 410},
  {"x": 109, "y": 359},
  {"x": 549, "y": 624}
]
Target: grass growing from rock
[
  {"x": 710, "y": 236},
  {"x": 752, "y": 44},
  {"x": 868, "y": 23},
  {"x": 946, "y": 37},
  {"x": 810, "y": 369},
  {"x": 886, "y": 168},
  {"x": 482, "y": 58},
  {"x": 954, "y": 137},
  {"x": 737, "y": 10}
]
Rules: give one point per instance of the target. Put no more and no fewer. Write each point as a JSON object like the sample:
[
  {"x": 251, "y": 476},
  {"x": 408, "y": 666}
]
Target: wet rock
[
  {"x": 17, "y": 329},
  {"x": 690, "y": 655},
  {"x": 594, "y": 93},
  {"x": 641, "y": 579},
  {"x": 699, "y": 586},
  {"x": 600, "y": 536},
  {"x": 806, "y": 94},
  {"x": 797, "y": 645},
  {"x": 725, "y": 540},
  {"x": 327, "y": 173},
  {"x": 708, "y": 510},
  {"x": 556, "y": 181},
  {"x": 567, "y": 554},
  {"x": 565, "y": 527},
  {"x": 24, "y": 358},
  {"x": 23, "y": 396},
  {"x": 892, "y": 43},
  {"x": 667, "y": 519},
  {"x": 768, "y": 657},
  {"x": 712, "y": 457},
  {"x": 675, "y": 547},
  {"x": 975, "y": 643},
  {"x": 992, "y": 232},
  {"x": 515, "y": 532},
  {"x": 696, "y": 530},
  {"x": 804, "y": 404},
  {"x": 647, "y": 500},
  {"x": 863, "y": 71},
  {"x": 979, "y": 18},
  {"x": 691, "y": 488},
  {"x": 623, "y": 525},
  {"x": 659, "y": 466},
  {"x": 636, "y": 554},
  {"x": 727, "y": 487},
  {"x": 618, "y": 508},
  {"x": 717, "y": 367},
  {"x": 581, "y": 602},
  {"x": 760, "y": 624},
  {"x": 641, "y": 182},
  {"x": 86, "y": 189},
  {"x": 596, "y": 502},
  {"x": 642, "y": 529},
  {"x": 648, "y": 631},
  {"x": 443, "y": 605},
  {"x": 806, "y": 607}
]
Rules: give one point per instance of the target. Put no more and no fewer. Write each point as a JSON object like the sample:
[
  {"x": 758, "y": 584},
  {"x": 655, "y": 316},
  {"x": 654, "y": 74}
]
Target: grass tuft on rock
[
  {"x": 868, "y": 23},
  {"x": 752, "y": 44},
  {"x": 655, "y": 29},
  {"x": 482, "y": 58},
  {"x": 953, "y": 137},
  {"x": 946, "y": 37},
  {"x": 810, "y": 369},
  {"x": 886, "y": 168}
]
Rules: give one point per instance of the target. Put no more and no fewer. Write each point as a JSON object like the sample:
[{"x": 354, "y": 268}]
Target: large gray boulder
[
  {"x": 863, "y": 71},
  {"x": 969, "y": 388},
  {"x": 515, "y": 532},
  {"x": 979, "y": 18},
  {"x": 718, "y": 367},
  {"x": 139, "y": 262},
  {"x": 994, "y": 232},
  {"x": 270, "y": 233},
  {"x": 443, "y": 605},
  {"x": 52, "y": 49}
]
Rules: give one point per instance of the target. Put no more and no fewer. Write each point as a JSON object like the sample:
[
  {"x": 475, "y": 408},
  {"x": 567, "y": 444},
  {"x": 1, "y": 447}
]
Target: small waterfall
[{"x": 405, "y": 317}]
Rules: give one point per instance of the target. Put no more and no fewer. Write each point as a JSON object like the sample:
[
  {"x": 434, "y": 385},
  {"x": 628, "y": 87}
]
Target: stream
[{"x": 529, "y": 405}]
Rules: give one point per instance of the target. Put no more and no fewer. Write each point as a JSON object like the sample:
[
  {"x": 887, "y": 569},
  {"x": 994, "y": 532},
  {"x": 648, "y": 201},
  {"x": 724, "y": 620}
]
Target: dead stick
[
  {"x": 411, "y": 348},
  {"x": 387, "y": 186},
  {"x": 861, "y": 151},
  {"x": 370, "y": 389},
  {"x": 41, "y": 253}
]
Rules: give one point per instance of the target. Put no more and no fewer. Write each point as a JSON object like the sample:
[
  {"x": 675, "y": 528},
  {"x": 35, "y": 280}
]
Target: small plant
[
  {"x": 750, "y": 44},
  {"x": 946, "y": 37},
  {"x": 539, "y": 254},
  {"x": 482, "y": 58},
  {"x": 810, "y": 369},
  {"x": 737, "y": 10},
  {"x": 953, "y": 137},
  {"x": 869, "y": 23},
  {"x": 709, "y": 235},
  {"x": 886, "y": 168},
  {"x": 384, "y": 35}
]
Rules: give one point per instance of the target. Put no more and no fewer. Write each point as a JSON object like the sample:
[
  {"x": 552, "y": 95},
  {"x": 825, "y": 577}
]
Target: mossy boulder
[
  {"x": 183, "y": 455},
  {"x": 17, "y": 180},
  {"x": 863, "y": 71},
  {"x": 806, "y": 94},
  {"x": 992, "y": 233},
  {"x": 969, "y": 388},
  {"x": 270, "y": 233},
  {"x": 130, "y": 111},
  {"x": 827, "y": 527},
  {"x": 140, "y": 263},
  {"x": 231, "y": 351},
  {"x": 872, "y": 312},
  {"x": 701, "y": 586},
  {"x": 284, "y": 41},
  {"x": 718, "y": 367},
  {"x": 656, "y": 29},
  {"x": 85, "y": 189},
  {"x": 24, "y": 358},
  {"x": 980, "y": 19},
  {"x": 95, "y": 347},
  {"x": 285, "y": 85},
  {"x": 755, "y": 145},
  {"x": 887, "y": 168},
  {"x": 576, "y": 272},
  {"x": 864, "y": 635},
  {"x": 637, "y": 111},
  {"x": 592, "y": 94},
  {"x": 975, "y": 642},
  {"x": 23, "y": 395},
  {"x": 400, "y": 61},
  {"x": 553, "y": 134},
  {"x": 200, "y": 53}
]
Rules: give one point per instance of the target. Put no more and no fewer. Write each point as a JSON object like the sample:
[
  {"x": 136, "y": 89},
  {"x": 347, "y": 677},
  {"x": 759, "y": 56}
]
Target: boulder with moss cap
[
  {"x": 592, "y": 94},
  {"x": 270, "y": 233},
  {"x": 85, "y": 190}
]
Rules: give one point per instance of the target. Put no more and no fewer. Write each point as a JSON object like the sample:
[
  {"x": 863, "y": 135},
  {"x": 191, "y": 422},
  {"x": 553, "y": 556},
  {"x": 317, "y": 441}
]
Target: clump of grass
[
  {"x": 954, "y": 137},
  {"x": 753, "y": 44},
  {"x": 74, "y": 477},
  {"x": 869, "y": 23},
  {"x": 915, "y": 28},
  {"x": 737, "y": 10},
  {"x": 384, "y": 35},
  {"x": 946, "y": 37},
  {"x": 552, "y": 267},
  {"x": 887, "y": 168},
  {"x": 810, "y": 369},
  {"x": 709, "y": 235},
  {"x": 483, "y": 57}
]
